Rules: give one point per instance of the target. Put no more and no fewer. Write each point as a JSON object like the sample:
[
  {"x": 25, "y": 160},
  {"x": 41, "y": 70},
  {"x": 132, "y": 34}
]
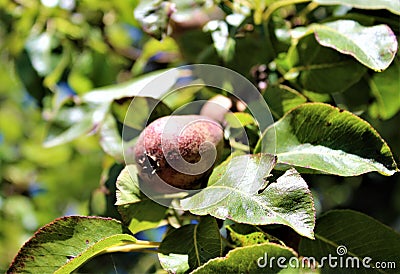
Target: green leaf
[
  {"x": 79, "y": 82},
  {"x": 281, "y": 99},
  {"x": 325, "y": 139},
  {"x": 174, "y": 263},
  {"x": 36, "y": 153},
  {"x": 201, "y": 242},
  {"x": 99, "y": 102},
  {"x": 137, "y": 210},
  {"x": 90, "y": 122},
  {"x": 251, "y": 259},
  {"x": 318, "y": 97},
  {"x": 67, "y": 243},
  {"x": 143, "y": 215},
  {"x": 242, "y": 61},
  {"x": 184, "y": 95},
  {"x": 245, "y": 235},
  {"x": 126, "y": 111},
  {"x": 224, "y": 44},
  {"x": 236, "y": 191},
  {"x": 128, "y": 190},
  {"x": 319, "y": 69},
  {"x": 102, "y": 199},
  {"x": 345, "y": 234},
  {"x": 355, "y": 99},
  {"x": 393, "y": 6},
  {"x": 374, "y": 47},
  {"x": 110, "y": 139},
  {"x": 55, "y": 75},
  {"x": 113, "y": 143},
  {"x": 385, "y": 86},
  {"x": 40, "y": 49},
  {"x": 153, "y": 16},
  {"x": 132, "y": 88},
  {"x": 153, "y": 47},
  {"x": 239, "y": 119}
]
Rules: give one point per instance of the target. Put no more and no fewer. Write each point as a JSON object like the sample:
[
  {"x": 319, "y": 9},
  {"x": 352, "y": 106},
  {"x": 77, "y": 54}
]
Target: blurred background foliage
[{"x": 52, "y": 52}]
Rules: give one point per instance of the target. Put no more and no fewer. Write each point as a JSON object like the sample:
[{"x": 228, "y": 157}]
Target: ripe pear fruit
[{"x": 179, "y": 150}]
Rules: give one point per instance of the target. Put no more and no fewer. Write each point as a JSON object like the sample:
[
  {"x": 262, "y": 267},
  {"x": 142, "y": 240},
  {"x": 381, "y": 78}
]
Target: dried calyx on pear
[{"x": 178, "y": 150}]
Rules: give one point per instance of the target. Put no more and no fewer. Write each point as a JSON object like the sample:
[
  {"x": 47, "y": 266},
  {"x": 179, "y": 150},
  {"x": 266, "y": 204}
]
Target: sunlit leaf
[
  {"x": 236, "y": 191},
  {"x": 239, "y": 119},
  {"x": 39, "y": 49},
  {"x": 126, "y": 110},
  {"x": 120, "y": 97},
  {"x": 133, "y": 88},
  {"x": 67, "y": 243},
  {"x": 319, "y": 137},
  {"x": 245, "y": 235},
  {"x": 89, "y": 124},
  {"x": 154, "y": 16},
  {"x": 224, "y": 44},
  {"x": 251, "y": 259},
  {"x": 128, "y": 190},
  {"x": 136, "y": 209},
  {"x": 79, "y": 82},
  {"x": 118, "y": 36},
  {"x": 393, "y": 6},
  {"x": 110, "y": 139},
  {"x": 375, "y": 47},
  {"x": 174, "y": 263}
]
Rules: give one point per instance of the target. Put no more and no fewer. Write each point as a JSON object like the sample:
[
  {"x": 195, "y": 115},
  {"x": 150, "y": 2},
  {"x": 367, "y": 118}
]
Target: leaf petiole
[{"x": 138, "y": 246}]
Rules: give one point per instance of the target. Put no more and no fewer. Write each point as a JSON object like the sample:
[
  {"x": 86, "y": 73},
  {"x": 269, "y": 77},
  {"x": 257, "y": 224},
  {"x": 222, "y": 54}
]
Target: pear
[{"x": 179, "y": 150}]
